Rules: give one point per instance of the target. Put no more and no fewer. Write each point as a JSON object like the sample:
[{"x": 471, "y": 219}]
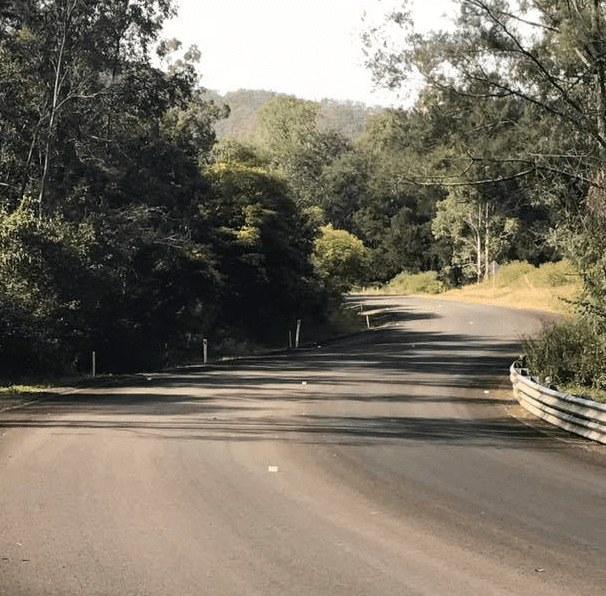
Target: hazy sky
[{"x": 310, "y": 49}]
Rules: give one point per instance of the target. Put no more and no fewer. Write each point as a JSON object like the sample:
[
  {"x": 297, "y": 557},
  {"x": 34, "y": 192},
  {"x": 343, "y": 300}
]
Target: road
[{"x": 393, "y": 462}]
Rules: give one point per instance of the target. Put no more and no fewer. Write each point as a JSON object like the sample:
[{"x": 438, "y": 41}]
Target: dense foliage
[
  {"x": 341, "y": 258},
  {"x": 388, "y": 187},
  {"x": 569, "y": 354},
  {"x": 121, "y": 231}
]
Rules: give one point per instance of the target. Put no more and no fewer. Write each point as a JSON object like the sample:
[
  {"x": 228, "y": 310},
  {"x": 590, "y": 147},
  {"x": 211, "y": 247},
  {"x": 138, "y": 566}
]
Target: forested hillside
[
  {"x": 349, "y": 118},
  {"x": 389, "y": 188}
]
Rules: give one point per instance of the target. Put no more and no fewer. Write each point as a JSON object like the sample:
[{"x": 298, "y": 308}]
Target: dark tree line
[{"x": 119, "y": 231}]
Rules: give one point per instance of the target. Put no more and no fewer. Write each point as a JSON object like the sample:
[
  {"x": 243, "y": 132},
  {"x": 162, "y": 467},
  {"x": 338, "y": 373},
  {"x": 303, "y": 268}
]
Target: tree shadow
[
  {"x": 497, "y": 432},
  {"x": 234, "y": 399}
]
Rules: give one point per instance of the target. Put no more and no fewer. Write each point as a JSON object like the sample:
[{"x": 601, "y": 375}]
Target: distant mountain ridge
[{"x": 348, "y": 117}]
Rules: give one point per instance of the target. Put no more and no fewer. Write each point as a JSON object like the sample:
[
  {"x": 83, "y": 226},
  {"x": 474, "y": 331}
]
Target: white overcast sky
[{"x": 310, "y": 49}]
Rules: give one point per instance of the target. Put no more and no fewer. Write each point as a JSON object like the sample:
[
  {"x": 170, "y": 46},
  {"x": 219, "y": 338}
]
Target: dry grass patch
[{"x": 552, "y": 287}]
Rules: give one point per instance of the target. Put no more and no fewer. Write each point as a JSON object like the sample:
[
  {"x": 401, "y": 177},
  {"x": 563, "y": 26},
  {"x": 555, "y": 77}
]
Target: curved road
[{"x": 390, "y": 463}]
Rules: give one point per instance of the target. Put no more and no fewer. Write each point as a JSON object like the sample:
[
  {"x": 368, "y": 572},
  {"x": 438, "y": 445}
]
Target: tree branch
[{"x": 443, "y": 180}]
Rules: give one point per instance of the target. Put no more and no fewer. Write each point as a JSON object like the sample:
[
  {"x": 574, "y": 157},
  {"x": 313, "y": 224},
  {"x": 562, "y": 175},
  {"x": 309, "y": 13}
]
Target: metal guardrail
[{"x": 575, "y": 414}]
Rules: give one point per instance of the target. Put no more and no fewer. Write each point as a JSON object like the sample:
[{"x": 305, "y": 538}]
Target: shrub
[
  {"x": 510, "y": 274},
  {"x": 570, "y": 353},
  {"x": 341, "y": 258},
  {"x": 415, "y": 283},
  {"x": 552, "y": 275}
]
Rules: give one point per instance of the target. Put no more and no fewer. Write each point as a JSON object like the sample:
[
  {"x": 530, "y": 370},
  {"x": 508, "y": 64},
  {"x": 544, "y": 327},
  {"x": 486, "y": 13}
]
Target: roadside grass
[
  {"x": 552, "y": 287},
  {"x": 341, "y": 321},
  {"x": 585, "y": 392}
]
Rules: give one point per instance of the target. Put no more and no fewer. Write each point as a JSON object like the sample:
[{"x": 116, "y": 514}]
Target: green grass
[
  {"x": 554, "y": 275},
  {"x": 341, "y": 321},
  {"x": 512, "y": 274}
]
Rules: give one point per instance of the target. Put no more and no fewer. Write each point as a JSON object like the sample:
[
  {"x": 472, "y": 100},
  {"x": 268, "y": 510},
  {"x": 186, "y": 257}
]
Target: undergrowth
[
  {"x": 512, "y": 273},
  {"x": 570, "y": 353},
  {"x": 547, "y": 275},
  {"x": 591, "y": 393}
]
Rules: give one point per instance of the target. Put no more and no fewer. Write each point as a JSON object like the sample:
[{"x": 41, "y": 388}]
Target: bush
[
  {"x": 341, "y": 258},
  {"x": 570, "y": 353},
  {"x": 552, "y": 275},
  {"x": 415, "y": 283},
  {"x": 510, "y": 274}
]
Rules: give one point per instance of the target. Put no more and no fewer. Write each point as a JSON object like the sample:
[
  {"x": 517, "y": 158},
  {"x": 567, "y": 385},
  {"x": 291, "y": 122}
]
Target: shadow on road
[
  {"x": 244, "y": 399},
  {"x": 499, "y": 432}
]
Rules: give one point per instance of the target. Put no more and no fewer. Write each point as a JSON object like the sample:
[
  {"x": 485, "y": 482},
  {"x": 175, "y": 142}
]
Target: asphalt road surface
[{"x": 393, "y": 462}]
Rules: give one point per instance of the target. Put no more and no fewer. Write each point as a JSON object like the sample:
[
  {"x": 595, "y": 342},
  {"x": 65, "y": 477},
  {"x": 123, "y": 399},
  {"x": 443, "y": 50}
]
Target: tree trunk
[
  {"x": 48, "y": 144},
  {"x": 486, "y": 243},
  {"x": 479, "y": 244},
  {"x": 600, "y": 76}
]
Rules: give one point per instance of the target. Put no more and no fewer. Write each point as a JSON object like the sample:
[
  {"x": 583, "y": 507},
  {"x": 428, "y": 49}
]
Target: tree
[
  {"x": 394, "y": 212},
  {"x": 228, "y": 150},
  {"x": 288, "y": 134},
  {"x": 76, "y": 53},
  {"x": 41, "y": 265},
  {"x": 116, "y": 258},
  {"x": 341, "y": 258},
  {"x": 121, "y": 229},
  {"x": 264, "y": 245},
  {"x": 478, "y": 234},
  {"x": 345, "y": 183},
  {"x": 524, "y": 86},
  {"x": 548, "y": 55},
  {"x": 284, "y": 125}
]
